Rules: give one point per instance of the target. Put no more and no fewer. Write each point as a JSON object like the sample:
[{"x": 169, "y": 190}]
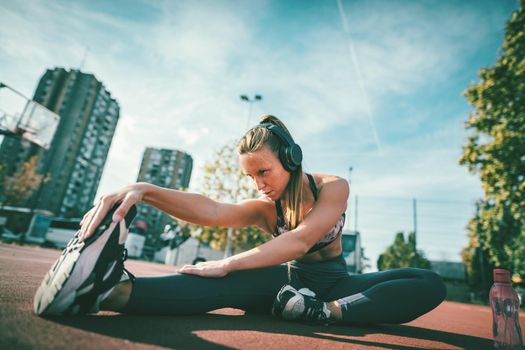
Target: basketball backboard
[{"x": 22, "y": 117}]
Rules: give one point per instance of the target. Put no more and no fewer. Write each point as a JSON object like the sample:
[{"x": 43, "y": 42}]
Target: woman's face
[{"x": 266, "y": 171}]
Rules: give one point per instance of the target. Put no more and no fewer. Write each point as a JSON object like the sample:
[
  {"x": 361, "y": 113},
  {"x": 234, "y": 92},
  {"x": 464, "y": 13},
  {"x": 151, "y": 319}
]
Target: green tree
[
  {"x": 495, "y": 150},
  {"x": 17, "y": 189},
  {"x": 402, "y": 254},
  {"x": 224, "y": 181}
]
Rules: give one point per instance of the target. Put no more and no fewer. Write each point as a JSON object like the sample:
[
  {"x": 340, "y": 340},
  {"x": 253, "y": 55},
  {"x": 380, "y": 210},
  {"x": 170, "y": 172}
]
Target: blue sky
[{"x": 394, "y": 110}]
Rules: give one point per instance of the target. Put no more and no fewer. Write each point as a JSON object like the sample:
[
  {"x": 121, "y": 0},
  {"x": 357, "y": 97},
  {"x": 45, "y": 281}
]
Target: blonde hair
[{"x": 257, "y": 137}]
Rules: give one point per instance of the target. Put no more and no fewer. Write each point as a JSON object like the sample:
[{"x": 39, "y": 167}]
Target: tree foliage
[
  {"x": 402, "y": 254},
  {"x": 495, "y": 150},
  {"x": 224, "y": 181},
  {"x": 17, "y": 189}
]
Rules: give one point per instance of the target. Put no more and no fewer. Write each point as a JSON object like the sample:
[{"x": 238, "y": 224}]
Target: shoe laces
[
  {"x": 314, "y": 310},
  {"x": 123, "y": 258}
]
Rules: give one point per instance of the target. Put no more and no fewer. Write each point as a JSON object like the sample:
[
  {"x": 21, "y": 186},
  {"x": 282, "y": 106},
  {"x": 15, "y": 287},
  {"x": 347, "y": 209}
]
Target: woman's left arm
[{"x": 290, "y": 245}]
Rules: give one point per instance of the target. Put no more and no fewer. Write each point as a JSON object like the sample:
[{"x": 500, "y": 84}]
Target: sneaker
[
  {"x": 86, "y": 271},
  {"x": 301, "y": 305}
]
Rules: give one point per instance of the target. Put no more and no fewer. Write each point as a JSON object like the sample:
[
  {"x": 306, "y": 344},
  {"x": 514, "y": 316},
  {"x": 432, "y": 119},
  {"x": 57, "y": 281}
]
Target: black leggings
[{"x": 393, "y": 296}]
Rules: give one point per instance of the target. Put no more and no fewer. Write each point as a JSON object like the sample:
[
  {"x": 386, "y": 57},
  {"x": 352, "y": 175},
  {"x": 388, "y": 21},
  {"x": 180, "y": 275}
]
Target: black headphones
[{"x": 290, "y": 154}]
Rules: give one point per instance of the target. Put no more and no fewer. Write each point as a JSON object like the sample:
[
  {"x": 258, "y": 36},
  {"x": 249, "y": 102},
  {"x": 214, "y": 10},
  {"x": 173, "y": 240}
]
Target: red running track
[{"x": 450, "y": 326}]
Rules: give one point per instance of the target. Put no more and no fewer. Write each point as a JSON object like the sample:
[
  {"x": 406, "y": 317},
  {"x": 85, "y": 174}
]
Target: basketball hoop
[{"x": 26, "y": 118}]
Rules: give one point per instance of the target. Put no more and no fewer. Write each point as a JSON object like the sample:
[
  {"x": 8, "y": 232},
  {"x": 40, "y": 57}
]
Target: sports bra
[{"x": 328, "y": 238}]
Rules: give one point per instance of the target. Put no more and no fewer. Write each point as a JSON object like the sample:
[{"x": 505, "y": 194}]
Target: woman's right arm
[{"x": 190, "y": 207}]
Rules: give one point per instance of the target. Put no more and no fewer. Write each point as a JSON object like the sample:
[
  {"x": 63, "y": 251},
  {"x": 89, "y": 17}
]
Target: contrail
[{"x": 358, "y": 72}]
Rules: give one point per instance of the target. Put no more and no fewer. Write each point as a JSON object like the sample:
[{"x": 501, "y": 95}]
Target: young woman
[{"x": 298, "y": 275}]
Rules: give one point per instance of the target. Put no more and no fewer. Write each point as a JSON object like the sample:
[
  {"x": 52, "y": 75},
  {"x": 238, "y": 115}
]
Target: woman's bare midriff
[{"x": 332, "y": 250}]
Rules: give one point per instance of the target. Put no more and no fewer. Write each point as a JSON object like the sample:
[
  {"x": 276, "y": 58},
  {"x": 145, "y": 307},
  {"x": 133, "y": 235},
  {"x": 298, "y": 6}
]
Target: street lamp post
[
  {"x": 350, "y": 169},
  {"x": 229, "y": 243},
  {"x": 250, "y": 101}
]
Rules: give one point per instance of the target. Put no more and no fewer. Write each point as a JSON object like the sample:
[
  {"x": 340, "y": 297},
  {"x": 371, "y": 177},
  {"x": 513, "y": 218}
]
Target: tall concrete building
[
  {"x": 166, "y": 168},
  {"x": 75, "y": 160}
]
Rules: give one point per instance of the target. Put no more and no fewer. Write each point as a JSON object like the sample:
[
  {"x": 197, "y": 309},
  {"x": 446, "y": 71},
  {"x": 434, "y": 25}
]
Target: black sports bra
[{"x": 328, "y": 238}]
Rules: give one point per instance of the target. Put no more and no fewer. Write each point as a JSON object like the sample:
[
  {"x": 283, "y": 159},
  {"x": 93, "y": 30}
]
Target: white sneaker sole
[
  {"x": 287, "y": 312},
  {"x": 60, "y": 287}
]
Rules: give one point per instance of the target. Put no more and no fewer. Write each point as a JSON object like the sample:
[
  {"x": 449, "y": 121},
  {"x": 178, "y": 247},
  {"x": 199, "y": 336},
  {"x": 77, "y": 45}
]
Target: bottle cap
[{"x": 501, "y": 276}]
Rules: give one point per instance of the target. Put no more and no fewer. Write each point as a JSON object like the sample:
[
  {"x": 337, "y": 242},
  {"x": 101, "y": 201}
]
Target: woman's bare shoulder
[
  {"x": 324, "y": 179},
  {"x": 333, "y": 188}
]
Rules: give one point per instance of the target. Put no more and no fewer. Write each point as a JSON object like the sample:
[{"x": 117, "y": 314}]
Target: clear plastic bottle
[{"x": 505, "y": 313}]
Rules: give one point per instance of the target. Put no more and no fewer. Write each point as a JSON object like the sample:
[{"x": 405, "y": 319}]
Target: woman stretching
[{"x": 298, "y": 275}]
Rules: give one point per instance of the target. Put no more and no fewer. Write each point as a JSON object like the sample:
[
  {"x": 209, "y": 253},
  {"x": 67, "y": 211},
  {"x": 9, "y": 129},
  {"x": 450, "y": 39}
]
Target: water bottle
[{"x": 505, "y": 313}]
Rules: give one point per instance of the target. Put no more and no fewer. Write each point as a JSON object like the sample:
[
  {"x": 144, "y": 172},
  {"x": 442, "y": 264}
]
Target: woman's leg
[
  {"x": 118, "y": 298},
  {"x": 183, "y": 294},
  {"x": 393, "y": 296}
]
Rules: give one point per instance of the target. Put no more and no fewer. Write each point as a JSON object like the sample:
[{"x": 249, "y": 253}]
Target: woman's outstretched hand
[
  {"x": 217, "y": 268},
  {"x": 127, "y": 196}
]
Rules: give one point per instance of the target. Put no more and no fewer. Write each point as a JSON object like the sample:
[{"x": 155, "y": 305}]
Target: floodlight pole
[
  {"x": 255, "y": 98},
  {"x": 350, "y": 169}
]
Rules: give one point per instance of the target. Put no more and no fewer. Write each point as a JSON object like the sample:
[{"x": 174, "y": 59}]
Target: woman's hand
[
  {"x": 127, "y": 196},
  {"x": 219, "y": 268}
]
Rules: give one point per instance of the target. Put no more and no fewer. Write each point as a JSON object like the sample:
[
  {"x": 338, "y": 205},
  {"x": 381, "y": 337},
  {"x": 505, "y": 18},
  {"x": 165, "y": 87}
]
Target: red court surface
[{"x": 450, "y": 326}]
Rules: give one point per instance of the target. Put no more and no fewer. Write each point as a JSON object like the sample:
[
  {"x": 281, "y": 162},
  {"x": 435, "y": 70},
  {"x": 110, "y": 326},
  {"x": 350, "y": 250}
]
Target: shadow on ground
[{"x": 180, "y": 331}]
